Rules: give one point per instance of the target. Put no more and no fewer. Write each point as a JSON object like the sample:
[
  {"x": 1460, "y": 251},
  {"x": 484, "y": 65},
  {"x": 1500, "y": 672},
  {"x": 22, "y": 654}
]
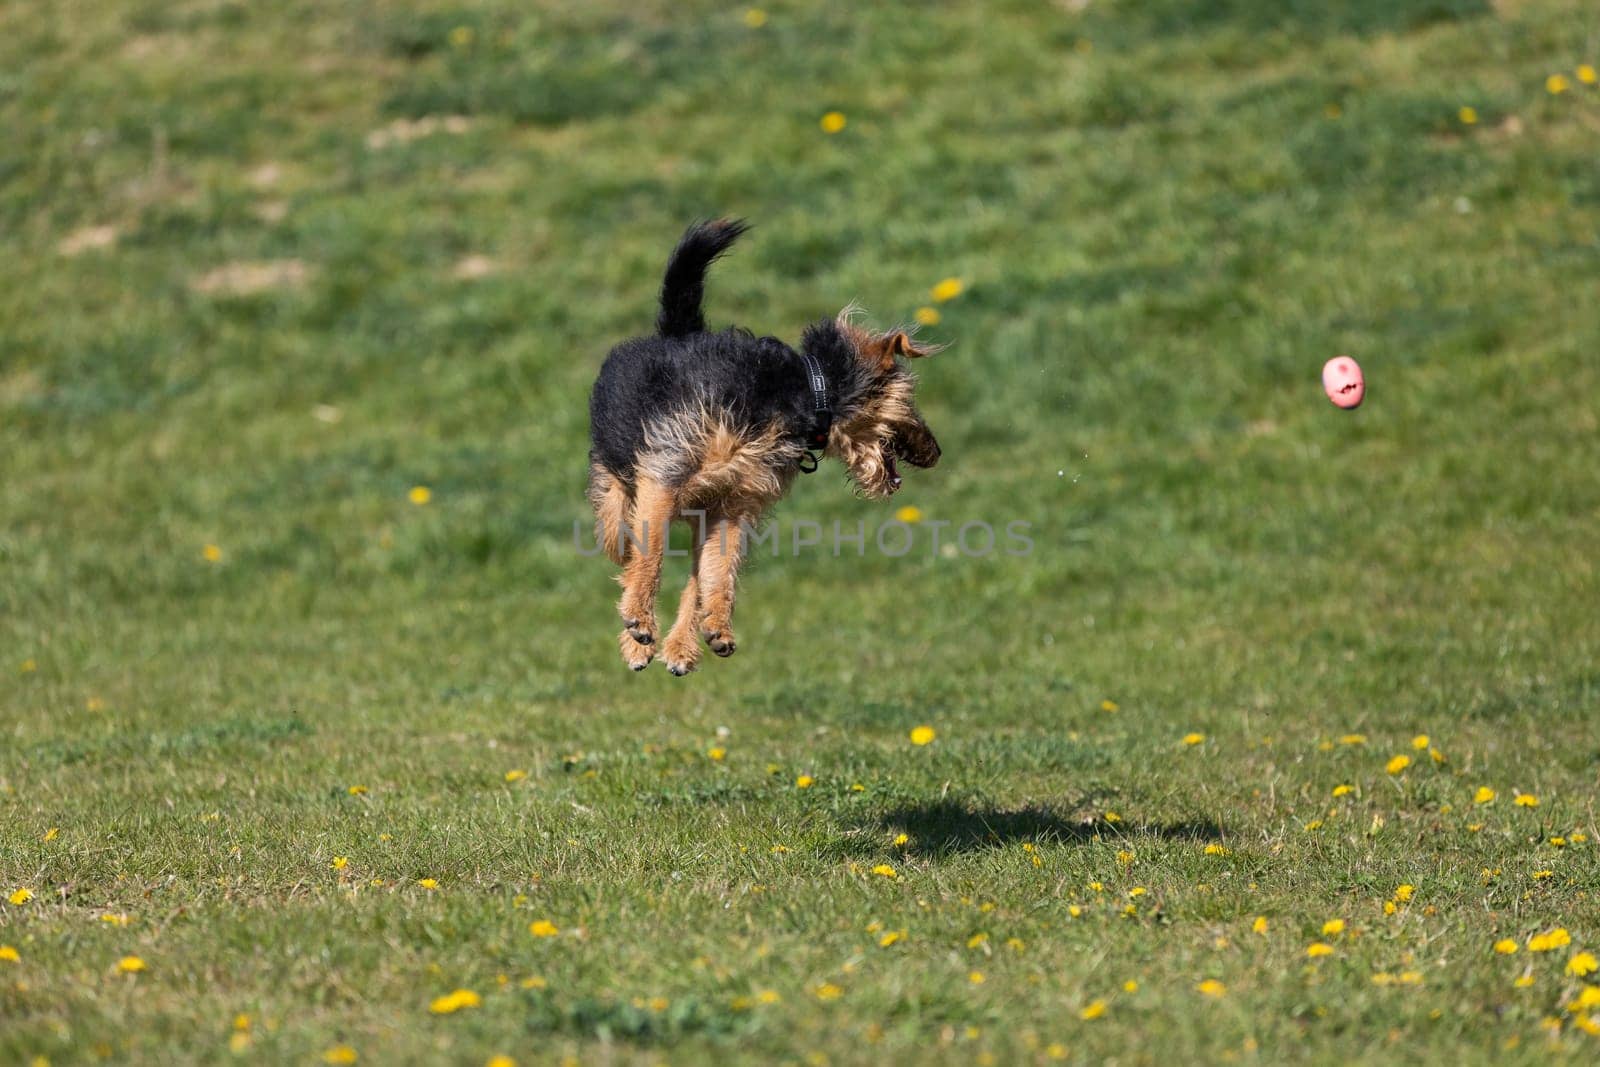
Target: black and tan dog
[{"x": 711, "y": 428}]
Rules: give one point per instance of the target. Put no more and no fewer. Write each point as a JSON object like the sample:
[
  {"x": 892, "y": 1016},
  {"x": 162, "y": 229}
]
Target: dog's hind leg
[
  {"x": 720, "y": 557},
  {"x": 654, "y": 506},
  {"x": 681, "y": 650},
  {"x": 611, "y": 503}
]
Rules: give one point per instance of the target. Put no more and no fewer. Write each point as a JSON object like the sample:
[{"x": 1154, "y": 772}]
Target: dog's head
[{"x": 879, "y": 424}]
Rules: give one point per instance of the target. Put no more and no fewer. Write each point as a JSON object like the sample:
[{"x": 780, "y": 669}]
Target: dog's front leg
[
  {"x": 648, "y": 527},
  {"x": 720, "y": 557},
  {"x": 681, "y": 649}
]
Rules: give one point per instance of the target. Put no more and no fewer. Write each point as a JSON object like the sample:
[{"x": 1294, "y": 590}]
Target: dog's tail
[{"x": 684, "y": 287}]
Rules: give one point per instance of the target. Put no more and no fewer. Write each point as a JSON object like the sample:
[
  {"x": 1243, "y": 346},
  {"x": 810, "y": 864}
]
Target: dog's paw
[
  {"x": 641, "y": 627},
  {"x": 636, "y": 654},
  {"x": 720, "y": 639},
  {"x": 681, "y": 650}
]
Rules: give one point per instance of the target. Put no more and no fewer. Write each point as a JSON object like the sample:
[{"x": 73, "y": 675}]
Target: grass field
[{"x": 316, "y": 755}]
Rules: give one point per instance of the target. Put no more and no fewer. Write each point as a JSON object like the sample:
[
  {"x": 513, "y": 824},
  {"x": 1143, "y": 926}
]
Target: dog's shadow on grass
[{"x": 948, "y": 827}]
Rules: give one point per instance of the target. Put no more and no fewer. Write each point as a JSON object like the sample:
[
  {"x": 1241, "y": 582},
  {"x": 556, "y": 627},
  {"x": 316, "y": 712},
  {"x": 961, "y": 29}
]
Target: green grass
[{"x": 1167, "y": 215}]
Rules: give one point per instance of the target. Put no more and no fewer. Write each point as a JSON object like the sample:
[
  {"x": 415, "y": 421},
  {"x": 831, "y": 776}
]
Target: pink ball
[{"x": 1343, "y": 381}]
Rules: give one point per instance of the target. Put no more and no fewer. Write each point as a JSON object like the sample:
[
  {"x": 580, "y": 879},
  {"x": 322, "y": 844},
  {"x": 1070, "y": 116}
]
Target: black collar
[{"x": 821, "y": 405}]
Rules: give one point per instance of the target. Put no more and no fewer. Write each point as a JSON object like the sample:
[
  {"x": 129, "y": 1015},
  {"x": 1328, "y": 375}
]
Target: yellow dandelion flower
[
  {"x": 340, "y": 1054},
  {"x": 9, "y": 954},
  {"x": 755, "y": 18},
  {"x": 1343, "y": 790},
  {"x": 1214, "y": 849},
  {"x": 419, "y": 495},
  {"x": 1403, "y": 892},
  {"x": 1435, "y": 755},
  {"x": 777, "y": 850},
  {"x": 1112, "y": 816},
  {"x": 516, "y": 775},
  {"x": 1397, "y": 764},
  {"x": 1015, "y": 944},
  {"x": 1138, "y": 891},
  {"x": 977, "y": 978},
  {"x": 1074, "y": 911},
  {"x": 1092, "y": 1010},
  {"x": 833, "y": 122},
  {"x": 1419, "y": 742},
  {"x": 1212, "y": 988},
  {"x": 1389, "y": 907},
  {"x": 1525, "y": 800},
  {"x": 890, "y": 938},
  {"x": 501, "y": 1060},
  {"x": 1484, "y": 795},
  {"x": 769, "y": 996},
  {"x": 1468, "y": 115},
  {"x": 977, "y": 939},
  {"x": 429, "y": 884},
  {"x": 805, "y": 781},
  {"x": 883, "y": 870},
  {"x": 857, "y": 787},
  {"x": 1523, "y": 982},
  {"x": 1319, "y": 948},
  {"x": 1539, "y": 876},
  {"x": 543, "y": 928},
  {"x": 238, "y": 1042},
  {"x": 1409, "y": 978},
  {"x": 1586, "y": 74},
  {"x": 902, "y": 839},
  {"x": 130, "y": 965},
  {"x": 340, "y": 862},
  {"x": 1551, "y": 939},
  {"x": 1557, "y": 84},
  {"x": 1588, "y": 997},
  {"x": 28, "y": 666},
  {"x": 927, "y": 316},
  {"x": 451, "y": 1003},
  {"x": 1333, "y": 928},
  {"x": 211, "y": 554},
  {"x": 1577, "y": 838},
  {"x": 1314, "y": 824},
  {"x": 1193, "y": 739},
  {"x": 1558, "y": 842},
  {"x": 534, "y": 982},
  {"x": 829, "y": 991},
  {"x": 922, "y": 735},
  {"x": 1583, "y": 963},
  {"x": 1353, "y": 739},
  {"x": 357, "y": 790},
  {"x": 1588, "y": 1024},
  {"x": 1110, "y": 705},
  {"x": 21, "y": 897},
  {"x": 1260, "y": 925},
  {"x": 1130, "y": 986},
  {"x": 948, "y": 289},
  {"x": 717, "y": 754}
]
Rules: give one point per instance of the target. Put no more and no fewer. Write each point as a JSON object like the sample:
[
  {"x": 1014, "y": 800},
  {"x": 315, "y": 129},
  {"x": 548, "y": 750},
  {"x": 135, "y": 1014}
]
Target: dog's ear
[{"x": 883, "y": 348}]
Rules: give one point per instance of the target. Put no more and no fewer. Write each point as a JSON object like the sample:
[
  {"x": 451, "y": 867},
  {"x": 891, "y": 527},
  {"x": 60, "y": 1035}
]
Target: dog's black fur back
[{"x": 749, "y": 381}]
